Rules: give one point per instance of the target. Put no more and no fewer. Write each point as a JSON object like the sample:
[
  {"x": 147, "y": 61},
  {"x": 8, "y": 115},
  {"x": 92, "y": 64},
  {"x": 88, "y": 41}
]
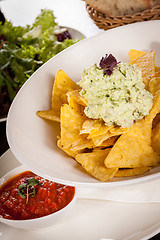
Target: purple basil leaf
[
  {"x": 108, "y": 63},
  {"x": 109, "y": 71}
]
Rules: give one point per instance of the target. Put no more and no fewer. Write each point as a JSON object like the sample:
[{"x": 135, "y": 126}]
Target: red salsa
[{"x": 48, "y": 197}]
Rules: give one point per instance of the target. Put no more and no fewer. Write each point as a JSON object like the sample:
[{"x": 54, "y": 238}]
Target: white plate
[
  {"x": 92, "y": 219},
  {"x": 33, "y": 140}
]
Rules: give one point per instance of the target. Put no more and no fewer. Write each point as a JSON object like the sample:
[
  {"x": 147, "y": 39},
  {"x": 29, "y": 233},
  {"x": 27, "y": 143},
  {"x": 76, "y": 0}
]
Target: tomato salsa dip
[{"x": 28, "y": 196}]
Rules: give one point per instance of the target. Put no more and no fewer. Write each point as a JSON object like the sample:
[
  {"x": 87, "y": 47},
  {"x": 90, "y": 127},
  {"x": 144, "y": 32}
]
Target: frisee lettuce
[{"x": 23, "y": 50}]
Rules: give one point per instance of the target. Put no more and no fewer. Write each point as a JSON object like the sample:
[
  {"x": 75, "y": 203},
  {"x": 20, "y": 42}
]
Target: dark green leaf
[
  {"x": 32, "y": 181},
  {"x": 27, "y": 188},
  {"x": 22, "y": 186}
]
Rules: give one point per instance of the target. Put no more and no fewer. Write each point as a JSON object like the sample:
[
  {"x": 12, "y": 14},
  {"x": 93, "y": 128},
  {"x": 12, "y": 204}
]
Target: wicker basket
[{"x": 105, "y": 22}]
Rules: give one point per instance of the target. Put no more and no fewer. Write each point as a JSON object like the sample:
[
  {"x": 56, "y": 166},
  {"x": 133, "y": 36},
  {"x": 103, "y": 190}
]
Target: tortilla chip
[
  {"x": 109, "y": 142},
  {"x": 147, "y": 64},
  {"x": 93, "y": 163},
  {"x": 77, "y": 97},
  {"x": 118, "y": 130},
  {"x": 75, "y": 105},
  {"x": 71, "y": 124},
  {"x": 130, "y": 172},
  {"x": 156, "y": 120},
  {"x": 91, "y": 126},
  {"x": 64, "y": 98},
  {"x": 131, "y": 151},
  {"x": 62, "y": 85},
  {"x": 157, "y": 71},
  {"x": 133, "y": 54},
  {"x": 156, "y": 138},
  {"x": 49, "y": 115},
  {"x": 112, "y": 131},
  {"x": 103, "y": 130},
  {"x": 154, "y": 85},
  {"x": 145, "y": 124},
  {"x": 67, "y": 150},
  {"x": 155, "y": 108},
  {"x": 98, "y": 141}
]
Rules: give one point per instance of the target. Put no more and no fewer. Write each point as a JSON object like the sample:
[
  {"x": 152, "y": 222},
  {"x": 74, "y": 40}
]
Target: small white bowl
[{"x": 41, "y": 223}]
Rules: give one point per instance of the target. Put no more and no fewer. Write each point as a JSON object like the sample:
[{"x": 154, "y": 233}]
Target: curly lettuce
[{"x": 23, "y": 50}]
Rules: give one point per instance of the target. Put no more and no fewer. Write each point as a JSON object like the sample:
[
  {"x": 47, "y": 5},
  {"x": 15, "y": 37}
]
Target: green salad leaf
[{"x": 23, "y": 50}]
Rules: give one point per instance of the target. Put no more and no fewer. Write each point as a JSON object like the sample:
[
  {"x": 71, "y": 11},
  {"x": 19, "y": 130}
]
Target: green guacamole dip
[{"x": 118, "y": 99}]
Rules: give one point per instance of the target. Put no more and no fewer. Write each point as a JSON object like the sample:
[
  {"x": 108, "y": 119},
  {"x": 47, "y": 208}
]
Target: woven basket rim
[
  {"x": 106, "y": 22},
  {"x": 148, "y": 11}
]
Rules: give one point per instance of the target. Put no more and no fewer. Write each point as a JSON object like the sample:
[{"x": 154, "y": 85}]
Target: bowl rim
[{"x": 15, "y": 172}]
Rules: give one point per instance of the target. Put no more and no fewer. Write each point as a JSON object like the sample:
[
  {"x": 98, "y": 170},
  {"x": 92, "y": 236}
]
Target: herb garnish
[
  {"x": 107, "y": 63},
  {"x": 27, "y": 188}
]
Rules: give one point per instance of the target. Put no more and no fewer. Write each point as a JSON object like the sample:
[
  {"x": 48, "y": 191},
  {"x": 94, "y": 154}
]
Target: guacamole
[{"x": 120, "y": 98}]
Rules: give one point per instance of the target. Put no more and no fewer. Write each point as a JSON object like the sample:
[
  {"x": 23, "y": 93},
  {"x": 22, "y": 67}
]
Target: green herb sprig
[{"x": 27, "y": 188}]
